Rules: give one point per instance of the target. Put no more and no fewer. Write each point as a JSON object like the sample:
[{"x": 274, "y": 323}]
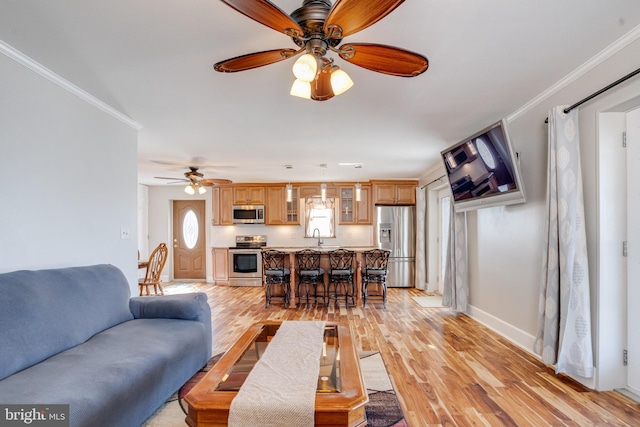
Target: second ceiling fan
[{"x": 318, "y": 27}]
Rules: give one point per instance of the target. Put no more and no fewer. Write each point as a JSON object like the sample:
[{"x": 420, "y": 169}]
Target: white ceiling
[{"x": 152, "y": 60}]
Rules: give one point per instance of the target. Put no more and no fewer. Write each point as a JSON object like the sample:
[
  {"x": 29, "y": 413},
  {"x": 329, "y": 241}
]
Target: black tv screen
[{"x": 483, "y": 171}]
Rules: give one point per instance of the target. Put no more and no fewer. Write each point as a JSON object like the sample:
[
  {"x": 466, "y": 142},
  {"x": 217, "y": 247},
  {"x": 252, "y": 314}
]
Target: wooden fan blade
[
  {"x": 385, "y": 59},
  {"x": 210, "y": 182},
  {"x": 266, "y": 13},
  {"x": 356, "y": 15},
  {"x": 173, "y": 179},
  {"x": 321, "y": 89},
  {"x": 253, "y": 60}
]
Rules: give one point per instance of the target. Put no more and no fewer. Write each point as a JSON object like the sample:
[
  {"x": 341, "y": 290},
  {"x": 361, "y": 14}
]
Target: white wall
[
  {"x": 68, "y": 178},
  {"x": 506, "y": 242}
]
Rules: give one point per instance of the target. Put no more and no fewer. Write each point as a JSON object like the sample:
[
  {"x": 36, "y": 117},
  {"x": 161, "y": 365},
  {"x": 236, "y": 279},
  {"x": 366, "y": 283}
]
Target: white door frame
[{"x": 633, "y": 250}]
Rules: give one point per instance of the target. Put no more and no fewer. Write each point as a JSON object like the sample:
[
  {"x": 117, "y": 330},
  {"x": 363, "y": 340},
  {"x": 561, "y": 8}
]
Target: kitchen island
[{"x": 290, "y": 263}]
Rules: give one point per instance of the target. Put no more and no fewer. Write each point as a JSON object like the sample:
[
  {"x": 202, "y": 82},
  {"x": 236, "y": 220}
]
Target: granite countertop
[{"x": 323, "y": 248}]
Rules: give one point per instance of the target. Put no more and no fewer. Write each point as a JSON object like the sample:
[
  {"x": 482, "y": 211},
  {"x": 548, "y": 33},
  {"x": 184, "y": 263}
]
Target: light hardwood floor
[{"x": 447, "y": 369}]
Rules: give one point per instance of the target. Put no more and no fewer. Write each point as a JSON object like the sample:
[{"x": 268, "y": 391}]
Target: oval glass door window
[{"x": 190, "y": 229}]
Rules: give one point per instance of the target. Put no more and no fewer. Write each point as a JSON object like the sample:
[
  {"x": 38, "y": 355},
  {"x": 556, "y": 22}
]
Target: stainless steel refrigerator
[{"x": 396, "y": 232}]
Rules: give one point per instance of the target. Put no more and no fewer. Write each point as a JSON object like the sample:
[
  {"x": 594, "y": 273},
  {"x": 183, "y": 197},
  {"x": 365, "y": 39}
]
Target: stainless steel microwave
[{"x": 248, "y": 214}]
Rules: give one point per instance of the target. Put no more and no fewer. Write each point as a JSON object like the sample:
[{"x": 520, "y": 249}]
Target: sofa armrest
[{"x": 192, "y": 306}]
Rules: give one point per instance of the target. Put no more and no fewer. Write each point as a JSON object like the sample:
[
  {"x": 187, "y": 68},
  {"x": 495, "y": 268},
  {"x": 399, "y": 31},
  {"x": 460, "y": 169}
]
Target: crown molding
[
  {"x": 600, "y": 57},
  {"x": 34, "y": 66}
]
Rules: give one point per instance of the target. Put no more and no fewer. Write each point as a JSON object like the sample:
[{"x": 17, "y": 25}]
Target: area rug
[
  {"x": 382, "y": 410},
  {"x": 429, "y": 301}
]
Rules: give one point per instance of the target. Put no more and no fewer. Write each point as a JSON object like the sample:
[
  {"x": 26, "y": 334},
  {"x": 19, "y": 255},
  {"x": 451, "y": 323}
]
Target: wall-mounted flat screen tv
[{"x": 483, "y": 170}]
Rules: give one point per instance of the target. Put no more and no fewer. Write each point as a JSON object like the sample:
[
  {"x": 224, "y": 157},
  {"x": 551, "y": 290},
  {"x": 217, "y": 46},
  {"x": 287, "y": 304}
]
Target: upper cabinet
[
  {"x": 353, "y": 211},
  {"x": 313, "y": 190},
  {"x": 222, "y": 200},
  {"x": 394, "y": 192},
  {"x": 278, "y": 210},
  {"x": 249, "y": 195}
]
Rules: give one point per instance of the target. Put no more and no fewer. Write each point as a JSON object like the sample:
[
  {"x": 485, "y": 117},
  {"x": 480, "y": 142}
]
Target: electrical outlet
[{"x": 124, "y": 233}]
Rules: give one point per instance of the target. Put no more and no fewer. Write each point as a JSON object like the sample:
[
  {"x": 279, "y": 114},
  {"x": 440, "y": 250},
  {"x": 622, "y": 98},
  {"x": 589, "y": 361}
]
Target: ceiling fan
[
  {"x": 195, "y": 181},
  {"x": 317, "y": 27}
]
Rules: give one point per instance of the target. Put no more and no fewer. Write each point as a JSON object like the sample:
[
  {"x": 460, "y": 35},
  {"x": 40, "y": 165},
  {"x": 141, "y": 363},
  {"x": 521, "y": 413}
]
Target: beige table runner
[{"x": 280, "y": 390}]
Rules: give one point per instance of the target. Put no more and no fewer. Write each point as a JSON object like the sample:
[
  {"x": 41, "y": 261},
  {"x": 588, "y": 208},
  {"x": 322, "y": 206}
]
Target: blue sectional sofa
[{"x": 74, "y": 336}]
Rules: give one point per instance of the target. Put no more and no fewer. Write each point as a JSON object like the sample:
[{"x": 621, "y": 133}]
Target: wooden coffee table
[{"x": 341, "y": 393}]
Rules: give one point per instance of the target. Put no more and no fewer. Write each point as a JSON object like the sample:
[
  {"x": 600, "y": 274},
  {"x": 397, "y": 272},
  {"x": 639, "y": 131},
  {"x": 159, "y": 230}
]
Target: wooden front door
[{"x": 189, "y": 252}]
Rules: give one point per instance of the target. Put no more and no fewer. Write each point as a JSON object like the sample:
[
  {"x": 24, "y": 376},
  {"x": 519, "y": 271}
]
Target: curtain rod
[
  {"x": 437, "y": 179},
  {"x": 604, "y": 89}
]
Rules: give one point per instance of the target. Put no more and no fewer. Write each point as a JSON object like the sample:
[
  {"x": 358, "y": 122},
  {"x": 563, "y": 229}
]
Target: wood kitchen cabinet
[
  {"x": 352, "y": 211},
  {"x": 313, "y": 190},
  {"x": 394, "y": 192},
  {"x": 221, "y": 265},
  {"x": 222, "y": 200},
  {"x": 249, "y": 195},
  {"x": 278, "y": 210}
]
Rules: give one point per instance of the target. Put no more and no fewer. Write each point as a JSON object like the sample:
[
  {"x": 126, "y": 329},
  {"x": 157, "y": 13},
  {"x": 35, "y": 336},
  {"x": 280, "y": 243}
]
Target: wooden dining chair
[{"x": 154, "y": 268}]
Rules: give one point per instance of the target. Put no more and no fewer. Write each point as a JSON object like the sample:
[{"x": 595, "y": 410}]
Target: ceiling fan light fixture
[
  {"x": 190, "y": 189},
  {"x": 306, "y": 68},
  {"x": 340, "y": 81},
  {"x": 301, "y": 89},
  {"x": 201, "y": 189}
]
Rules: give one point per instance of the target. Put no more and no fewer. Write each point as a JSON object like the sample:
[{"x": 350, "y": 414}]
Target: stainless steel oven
[{"x": 245, "y": 261}]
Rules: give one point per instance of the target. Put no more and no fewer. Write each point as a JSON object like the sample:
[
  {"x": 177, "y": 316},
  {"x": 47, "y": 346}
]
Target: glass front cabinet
[{"x": 353, "y": 211}]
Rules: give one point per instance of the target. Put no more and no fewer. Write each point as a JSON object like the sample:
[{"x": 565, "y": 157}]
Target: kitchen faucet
[{"x": 314, "y": 235}]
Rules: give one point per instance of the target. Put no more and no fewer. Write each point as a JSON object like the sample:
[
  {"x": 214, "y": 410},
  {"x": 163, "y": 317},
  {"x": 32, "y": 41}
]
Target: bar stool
[
  {"x": 310, "y": 276},
  {"x": 276, "y": 277},
  {"x": 375, "y": 272},
  {"x": 341, "y": 277}
]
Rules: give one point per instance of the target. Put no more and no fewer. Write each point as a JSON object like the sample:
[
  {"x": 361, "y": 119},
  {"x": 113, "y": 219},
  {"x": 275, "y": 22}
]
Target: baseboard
[{"x": 517, "y": 336}]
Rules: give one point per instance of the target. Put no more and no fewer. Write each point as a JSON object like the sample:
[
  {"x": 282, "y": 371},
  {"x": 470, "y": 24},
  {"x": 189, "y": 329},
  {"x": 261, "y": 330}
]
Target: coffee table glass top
[{"x": 328, "y": 376}]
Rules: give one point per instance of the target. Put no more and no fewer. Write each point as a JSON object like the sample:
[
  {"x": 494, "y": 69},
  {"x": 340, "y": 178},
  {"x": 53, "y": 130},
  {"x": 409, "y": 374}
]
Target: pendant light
[
  {"x": 323, "y": 186},
  {"x": 358, "y": 186},
  {"x": 289, "y": 187}
]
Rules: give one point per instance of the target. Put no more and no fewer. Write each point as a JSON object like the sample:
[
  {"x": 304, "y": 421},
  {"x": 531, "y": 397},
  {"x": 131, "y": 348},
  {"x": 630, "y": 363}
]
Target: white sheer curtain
[
  {"x": 421, "y": 259},
  {"x": 320, "y": 215},
  {"x": 564, "y": 313},
  {"x": 456, "y": 277}
]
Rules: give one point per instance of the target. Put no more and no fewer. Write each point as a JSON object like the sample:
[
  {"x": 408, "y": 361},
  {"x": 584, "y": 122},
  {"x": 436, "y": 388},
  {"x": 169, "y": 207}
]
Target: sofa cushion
[
  {"x": 117, "y": 378},
  {"x": 189, "y": 306},
  {"x": 48, "y": 311}
]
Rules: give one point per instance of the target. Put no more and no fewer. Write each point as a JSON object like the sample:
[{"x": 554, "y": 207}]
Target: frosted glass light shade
[
  {"x": 202, "y": 190},
  {"x": 340, "y": 81},
  {"x": 323, "y": 192},
  {"x": 358, "y": 192},
  {"x": 190, "y": 190},
  {"x": 301, "y": 89},
  {"x": 289, "y": 193},
  {"x": 305, "y": 68}
]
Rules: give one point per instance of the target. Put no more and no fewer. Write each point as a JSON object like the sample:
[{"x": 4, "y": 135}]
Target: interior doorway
[{"x": 189, "y": 251}]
